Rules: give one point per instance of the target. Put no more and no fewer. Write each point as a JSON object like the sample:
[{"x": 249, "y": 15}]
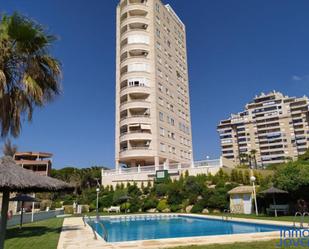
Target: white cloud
[{"x": 300, "y": 78}]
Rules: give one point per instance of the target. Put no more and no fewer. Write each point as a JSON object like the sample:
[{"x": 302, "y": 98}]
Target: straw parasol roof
[
  {"x": 24, "y": 198},
  {"x": 15, "y": 178},
  {"x": 241, "y": 190},
  {"x": 273, "y": 190}
]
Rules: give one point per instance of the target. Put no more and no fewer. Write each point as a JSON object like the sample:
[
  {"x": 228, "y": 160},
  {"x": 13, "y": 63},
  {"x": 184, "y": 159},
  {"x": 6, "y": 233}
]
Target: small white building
[{"x": 241, "y": 199}]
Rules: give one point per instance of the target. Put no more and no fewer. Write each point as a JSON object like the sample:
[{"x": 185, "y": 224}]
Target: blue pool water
[{"x": 158, "y": 227}]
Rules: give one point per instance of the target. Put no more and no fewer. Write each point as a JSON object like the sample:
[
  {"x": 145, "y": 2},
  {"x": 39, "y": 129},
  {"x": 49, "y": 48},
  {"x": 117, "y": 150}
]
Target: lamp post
[
  {"x": 252, "y": 179},
  {"x": 98, "y": 191}
]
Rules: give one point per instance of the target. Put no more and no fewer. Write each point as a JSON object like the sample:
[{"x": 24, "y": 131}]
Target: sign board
[{"x": 161, "y": 175}]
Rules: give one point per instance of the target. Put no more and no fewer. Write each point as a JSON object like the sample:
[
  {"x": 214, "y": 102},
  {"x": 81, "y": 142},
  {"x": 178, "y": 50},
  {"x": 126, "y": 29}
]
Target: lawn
[
  {"x": 37, "y": 235},
  {"x": 252, "y": 245}
]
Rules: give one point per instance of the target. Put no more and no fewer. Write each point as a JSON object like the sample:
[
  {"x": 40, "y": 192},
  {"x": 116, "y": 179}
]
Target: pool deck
[{"x": 75, "y": 235}]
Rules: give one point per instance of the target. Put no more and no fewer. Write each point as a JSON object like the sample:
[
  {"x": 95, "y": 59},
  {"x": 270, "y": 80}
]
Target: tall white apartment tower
[{"x": 153, "y": 124}]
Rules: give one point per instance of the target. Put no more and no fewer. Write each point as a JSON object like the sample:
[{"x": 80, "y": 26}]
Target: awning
[
  {"x": 145, "y": 127},
  {"x": 134, "y": 125}
]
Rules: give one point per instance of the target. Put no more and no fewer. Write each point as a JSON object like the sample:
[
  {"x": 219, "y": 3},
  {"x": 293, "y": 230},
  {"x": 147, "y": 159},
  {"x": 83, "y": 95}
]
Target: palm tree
[
  {"x": 253, "y": 156},
  {"x": 243, "y": 158},
  {"x": 29, "y": 75},
  {"x": 9, "y": 149}
]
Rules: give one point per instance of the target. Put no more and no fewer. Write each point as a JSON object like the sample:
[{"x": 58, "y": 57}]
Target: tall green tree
[{"x": 29, "y": 74}]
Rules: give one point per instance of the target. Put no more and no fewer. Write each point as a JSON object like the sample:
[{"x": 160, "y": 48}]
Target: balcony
[
  {"x": 136, "y": 135},
  {"x": 135, "y": 104},
  {"x": 133, "y": 5},
  {"x": 134, "y": 54},
  {"x": 136, "y": 92}
]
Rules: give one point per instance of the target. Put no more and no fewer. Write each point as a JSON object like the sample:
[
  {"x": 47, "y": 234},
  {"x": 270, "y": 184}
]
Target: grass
[
  {"x": 252, "y": 245},
  {"x": 38, "y": 235}
]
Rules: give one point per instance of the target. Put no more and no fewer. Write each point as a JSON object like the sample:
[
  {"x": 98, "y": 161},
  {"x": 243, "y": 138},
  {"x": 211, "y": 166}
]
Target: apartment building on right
[{"x": 273, "y": 127}]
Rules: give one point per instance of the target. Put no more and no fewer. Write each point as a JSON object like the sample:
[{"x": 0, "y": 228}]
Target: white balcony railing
[{"x": 170, "y": 167}]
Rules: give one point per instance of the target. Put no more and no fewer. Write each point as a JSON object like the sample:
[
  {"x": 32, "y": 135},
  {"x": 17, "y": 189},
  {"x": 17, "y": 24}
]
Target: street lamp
[
  {"x": 98, "y": 191},
  {"x": 252, "y": 179}
]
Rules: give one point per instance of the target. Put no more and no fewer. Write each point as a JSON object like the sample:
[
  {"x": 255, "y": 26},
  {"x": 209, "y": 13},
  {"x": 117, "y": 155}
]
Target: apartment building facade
[
  {"x": 153, "y": 123},
  {"x": 273, "y": 128},
  {"x": 38, "y": 162}
]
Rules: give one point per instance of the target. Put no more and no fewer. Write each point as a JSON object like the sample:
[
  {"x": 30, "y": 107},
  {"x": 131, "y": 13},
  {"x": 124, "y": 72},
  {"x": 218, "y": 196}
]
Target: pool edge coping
[{"x": 186, "y": 241}]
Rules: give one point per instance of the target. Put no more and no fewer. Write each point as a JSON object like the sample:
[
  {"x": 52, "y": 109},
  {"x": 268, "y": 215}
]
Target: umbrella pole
[
  {"x": 21, "y": 215},
  {"x": 3, "y": 220}
]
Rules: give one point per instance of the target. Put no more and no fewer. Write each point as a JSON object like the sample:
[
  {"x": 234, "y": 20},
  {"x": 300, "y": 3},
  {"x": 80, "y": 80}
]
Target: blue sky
[{"x": 236, "y": 49}]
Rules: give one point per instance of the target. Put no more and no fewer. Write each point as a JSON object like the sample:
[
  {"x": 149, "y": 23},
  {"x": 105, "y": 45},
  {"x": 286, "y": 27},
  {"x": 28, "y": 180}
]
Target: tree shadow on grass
[{"x": 16, "y": 232}]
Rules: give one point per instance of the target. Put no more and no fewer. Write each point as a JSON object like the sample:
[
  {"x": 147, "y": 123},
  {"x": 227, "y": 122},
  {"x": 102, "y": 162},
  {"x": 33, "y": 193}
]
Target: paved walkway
[{"x": 75, "y": 235}]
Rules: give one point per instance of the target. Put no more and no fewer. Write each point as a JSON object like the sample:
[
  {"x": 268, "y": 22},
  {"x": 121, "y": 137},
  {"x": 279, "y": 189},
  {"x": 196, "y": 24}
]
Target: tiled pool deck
[{"x": 75, "y": 235}]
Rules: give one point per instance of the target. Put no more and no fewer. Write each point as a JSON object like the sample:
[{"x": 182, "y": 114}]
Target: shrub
[
  {"x": 162, "y": 205},
  {"x": 135, "y": 205},
  {"x": 85, "y": 209},
  {"x": 68, "y": 209},
  {"x": 149, "y": 203},
  {"x": 124, "y": 207},
  {"x": 106, "y": 201},
  {"x": 175, "y": 208},
  {"x": 58, "y": 204},
  {"x": 161, "y": 189},
  {"x": 197, "y": 208}
]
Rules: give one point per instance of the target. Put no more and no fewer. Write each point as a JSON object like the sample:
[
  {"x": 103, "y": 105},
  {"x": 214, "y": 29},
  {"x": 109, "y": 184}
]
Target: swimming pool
[{"x": 148, "y": 227}]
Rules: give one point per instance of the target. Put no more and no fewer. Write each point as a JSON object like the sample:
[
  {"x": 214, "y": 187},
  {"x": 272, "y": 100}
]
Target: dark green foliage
[
  {"x": 198, "y": 207},
  {"x": 149, "y": 203},
  {"x": 161, "y": 189}
]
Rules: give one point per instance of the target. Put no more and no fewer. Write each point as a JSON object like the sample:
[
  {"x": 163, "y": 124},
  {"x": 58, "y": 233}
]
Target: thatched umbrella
[
  {"x": 14, "y": 178},
  {"x": 23, "y": 198},
  {"x": 274, "y": 191}
]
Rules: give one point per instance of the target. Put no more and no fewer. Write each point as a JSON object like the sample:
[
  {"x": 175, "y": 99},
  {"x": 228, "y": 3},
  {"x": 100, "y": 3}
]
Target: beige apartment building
[
  {"x": 153, "y": 124},
  {"x": 274, "y": 126}
]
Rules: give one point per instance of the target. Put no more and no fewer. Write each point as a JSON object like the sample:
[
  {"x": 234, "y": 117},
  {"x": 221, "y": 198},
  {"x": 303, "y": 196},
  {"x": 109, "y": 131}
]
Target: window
[
  {"x": 161, "y": 116},
  {"x": 137, "y": 82},
  {"x": 159, "y": 45},
  {"x": 173, "y": 150},
  {"x": 138, "y": 67},
  {"x": 162, "y": 147},
  {"x": 138, "y": 39},
  {"x": 158, "y": 32},
  {"x": 157, "y": 7},
  {"x": 160, "y": 87},
  {"x": 162, "y": 132},
  {"x": 172, "y": 122},
  {"x": 158, "y": 20},
  {"x": 161, "y": 102}
]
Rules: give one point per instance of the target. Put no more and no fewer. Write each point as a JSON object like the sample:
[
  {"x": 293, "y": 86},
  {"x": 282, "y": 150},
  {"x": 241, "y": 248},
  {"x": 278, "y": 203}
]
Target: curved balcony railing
[
  {"x": 133, "y": 6},
  {"x": 135, "y": 89},
  {"x": 134, "y": 148},
  {"x": 134, "y": 46},
  {"x": 135, "y": 116},
  {"x": 134, "y": 19},
  {"x": 134, "y": 104}
]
